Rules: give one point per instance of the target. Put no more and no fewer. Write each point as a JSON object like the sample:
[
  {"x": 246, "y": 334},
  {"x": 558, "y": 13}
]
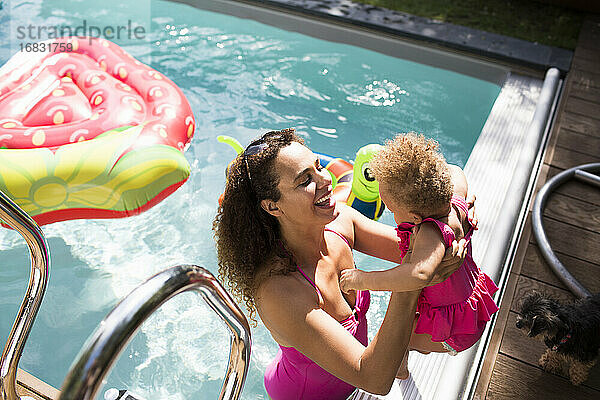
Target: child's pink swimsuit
[
  {"x": 293, "y": 376},
  {"x": 455, "y": 311}
]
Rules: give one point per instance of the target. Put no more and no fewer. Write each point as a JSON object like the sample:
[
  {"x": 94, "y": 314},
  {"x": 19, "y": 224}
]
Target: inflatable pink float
[{"x": 90, "y": 132}]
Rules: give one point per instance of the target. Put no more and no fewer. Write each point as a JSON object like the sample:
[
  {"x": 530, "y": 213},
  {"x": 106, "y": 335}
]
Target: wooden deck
[{"x": 572, "y": 224}]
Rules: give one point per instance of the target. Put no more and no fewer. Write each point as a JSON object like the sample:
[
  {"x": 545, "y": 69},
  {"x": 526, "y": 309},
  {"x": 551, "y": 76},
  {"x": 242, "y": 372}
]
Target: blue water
[{"x": 241, "y": 78}]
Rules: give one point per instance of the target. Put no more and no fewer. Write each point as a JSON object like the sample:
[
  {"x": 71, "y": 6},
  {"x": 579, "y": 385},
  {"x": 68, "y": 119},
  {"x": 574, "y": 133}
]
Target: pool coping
[{"x": 473, "y": 41}]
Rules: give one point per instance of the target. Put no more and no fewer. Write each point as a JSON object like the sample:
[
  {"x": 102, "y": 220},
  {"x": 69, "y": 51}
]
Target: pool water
[{"x": 241, "y": 78}]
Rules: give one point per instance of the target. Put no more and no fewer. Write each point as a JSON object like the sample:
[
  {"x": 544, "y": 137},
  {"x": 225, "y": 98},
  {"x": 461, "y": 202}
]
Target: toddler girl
[{"x": 415, "y": 184}]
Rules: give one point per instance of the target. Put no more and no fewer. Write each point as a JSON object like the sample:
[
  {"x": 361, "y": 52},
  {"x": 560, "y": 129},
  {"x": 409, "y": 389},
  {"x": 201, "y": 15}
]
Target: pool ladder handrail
[
  {"x": 12, "y": 215},
  {"x": 582, "y": 174},
  {"x": 112, "y": 335}
]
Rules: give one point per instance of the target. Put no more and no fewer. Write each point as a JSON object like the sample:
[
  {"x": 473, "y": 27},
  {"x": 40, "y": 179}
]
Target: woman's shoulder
[
  {"x": 283, "y": 301},
  {"x": 343, "y": 224},
  {"x": 276, "y": 287},
  {"x": 276, "y": 277},
  {"x": 279, "y": 295}
]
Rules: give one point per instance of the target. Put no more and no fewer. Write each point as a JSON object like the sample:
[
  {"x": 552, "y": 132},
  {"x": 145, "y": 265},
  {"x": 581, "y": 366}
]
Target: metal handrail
[
  {"x": 16, "y": 218},
  {"x": 102, "y": 349},
  {"x": 559, "y": 269}
]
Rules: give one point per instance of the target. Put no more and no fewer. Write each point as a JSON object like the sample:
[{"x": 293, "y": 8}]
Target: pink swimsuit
[
  {"x": 293, "y": 376},
  {"x": 455, "y": 311}
]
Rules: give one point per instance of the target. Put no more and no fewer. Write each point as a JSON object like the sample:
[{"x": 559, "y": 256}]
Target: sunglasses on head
[{"x": 259, "y": 145}]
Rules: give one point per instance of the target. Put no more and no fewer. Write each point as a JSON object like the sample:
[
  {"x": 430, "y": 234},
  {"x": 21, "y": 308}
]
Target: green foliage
[{"x": 524, "y": 19}]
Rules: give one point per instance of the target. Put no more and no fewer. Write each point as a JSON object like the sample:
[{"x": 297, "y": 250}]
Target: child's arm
[
  {"x": 459, "y": 180},
  {"x": 425, "y": 268},
  {"x": 461, "y": 188}
]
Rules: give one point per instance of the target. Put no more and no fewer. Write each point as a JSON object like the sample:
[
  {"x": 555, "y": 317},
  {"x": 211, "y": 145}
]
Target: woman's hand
[
  {"x": 352, "y": 279},
  {"x": 472, "y": 216},
  {"x": 453, "y": 259}
]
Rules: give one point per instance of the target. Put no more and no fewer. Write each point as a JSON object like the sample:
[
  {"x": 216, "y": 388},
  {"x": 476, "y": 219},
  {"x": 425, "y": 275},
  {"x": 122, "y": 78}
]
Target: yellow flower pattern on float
[{"x": 103, "y": 173}]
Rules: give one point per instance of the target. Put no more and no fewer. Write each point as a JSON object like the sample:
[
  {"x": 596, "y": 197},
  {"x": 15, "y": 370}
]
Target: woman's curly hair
[
  {"x": 415, "y": 172},
  {"x": 247, "y": 236}
]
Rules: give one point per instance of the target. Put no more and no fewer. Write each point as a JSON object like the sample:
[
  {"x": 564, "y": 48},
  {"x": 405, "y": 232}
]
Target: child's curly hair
[{"x": 415, "y": 172}]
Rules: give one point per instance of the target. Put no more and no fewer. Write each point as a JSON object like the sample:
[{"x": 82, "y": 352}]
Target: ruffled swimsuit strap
[
  {"x": 447, "y": 232},
  {"x": 462, "y": 205},
  {"x": 404, "y": 231},
  {"x": 460, "y": 202}
]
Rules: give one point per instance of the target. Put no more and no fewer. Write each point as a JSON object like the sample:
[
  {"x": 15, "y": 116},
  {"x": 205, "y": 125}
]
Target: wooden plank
[
  {"x": 517, "y": 345},
  {"x": 588, "y": 54},
  {"x": 534, "y": 266},
  {"x": 576, "y": 189},
  {"x": 586, "y": 60},
  {"x": 589, "y": 42},
  {"x": 584, "y": 107},
  {"x": 526, "y": 285},
  {"x": 584, "y": 79},
  {"x": 591, "y": 94},
  {"x": 577, "y": 142},
  {"x": 573, "y": 211},
  {"x": 580, "y": 124},
  {"x": 564, "y": 158},
  {"x": 514, "y": 379},
  {"x": 571, "y": 240}
]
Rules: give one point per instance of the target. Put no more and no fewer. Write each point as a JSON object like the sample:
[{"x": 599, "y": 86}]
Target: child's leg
[
  {"x": 422, "y": 342},
  {"x": 403, "y": 370}
]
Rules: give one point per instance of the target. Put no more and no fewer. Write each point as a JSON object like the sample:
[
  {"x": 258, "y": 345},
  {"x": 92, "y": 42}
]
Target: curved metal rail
[
  {"x": 114, "y": 332},
  {"x": 17, "y": 219},
  {"x": 580, "y": 173}
]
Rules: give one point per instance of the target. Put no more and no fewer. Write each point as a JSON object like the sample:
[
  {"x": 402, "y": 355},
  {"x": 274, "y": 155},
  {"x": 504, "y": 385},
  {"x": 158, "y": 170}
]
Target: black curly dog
[{"x": 571, "y": 332}]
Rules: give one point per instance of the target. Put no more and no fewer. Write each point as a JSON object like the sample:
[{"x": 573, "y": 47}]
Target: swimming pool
[{"x": 241, "y": 78}]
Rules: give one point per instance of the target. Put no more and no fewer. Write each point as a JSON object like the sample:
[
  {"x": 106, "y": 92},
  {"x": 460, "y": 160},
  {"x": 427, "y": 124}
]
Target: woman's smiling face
[{"x": 305, "y": 186}]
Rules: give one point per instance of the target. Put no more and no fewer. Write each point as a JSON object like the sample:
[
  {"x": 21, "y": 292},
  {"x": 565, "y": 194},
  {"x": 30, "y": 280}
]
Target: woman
[{"x": 282, "y": 242}]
